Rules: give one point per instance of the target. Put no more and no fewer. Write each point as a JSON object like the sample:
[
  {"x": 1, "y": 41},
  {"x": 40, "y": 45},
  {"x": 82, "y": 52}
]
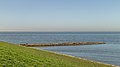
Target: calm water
[{"x": 108, "y": 53}]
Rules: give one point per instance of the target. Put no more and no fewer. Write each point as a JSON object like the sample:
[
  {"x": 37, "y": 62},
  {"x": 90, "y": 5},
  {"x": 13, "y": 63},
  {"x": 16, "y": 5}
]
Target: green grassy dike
[{"x": 18, "y": 56}]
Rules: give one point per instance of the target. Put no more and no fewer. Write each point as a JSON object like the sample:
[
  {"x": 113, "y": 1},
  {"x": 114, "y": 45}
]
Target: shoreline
[
  {"x": 75, "y": 57},
  {"x": 42, "y": 57}
]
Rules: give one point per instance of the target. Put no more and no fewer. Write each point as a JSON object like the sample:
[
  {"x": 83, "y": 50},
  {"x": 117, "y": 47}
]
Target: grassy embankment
[{"x": 18, "y": 56}]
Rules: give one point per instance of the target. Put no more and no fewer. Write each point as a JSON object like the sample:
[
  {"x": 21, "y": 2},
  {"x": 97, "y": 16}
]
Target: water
[{"x": 107, "y": 53}]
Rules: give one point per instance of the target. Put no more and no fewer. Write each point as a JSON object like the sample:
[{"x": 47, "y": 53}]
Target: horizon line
[{"x": 62, "y": 31}]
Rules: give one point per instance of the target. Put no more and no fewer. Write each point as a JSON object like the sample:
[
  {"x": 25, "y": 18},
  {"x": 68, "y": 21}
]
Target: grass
[{"x": 18, "y": 56}]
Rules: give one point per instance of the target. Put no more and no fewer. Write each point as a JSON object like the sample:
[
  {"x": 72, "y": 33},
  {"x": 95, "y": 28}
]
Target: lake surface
[{"x": 107, "y": 53}]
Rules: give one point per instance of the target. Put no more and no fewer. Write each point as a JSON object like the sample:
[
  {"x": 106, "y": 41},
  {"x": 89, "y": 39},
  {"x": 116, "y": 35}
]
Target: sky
[{"x": 60, "y": 15}]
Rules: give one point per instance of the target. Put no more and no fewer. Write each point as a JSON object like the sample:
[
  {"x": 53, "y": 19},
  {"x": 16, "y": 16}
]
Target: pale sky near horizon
[{"x": 60, "y": 15}]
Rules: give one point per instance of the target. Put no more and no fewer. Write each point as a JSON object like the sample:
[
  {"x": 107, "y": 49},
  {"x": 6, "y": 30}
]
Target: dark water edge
[
  {"x": 107, "y": 53},
  {"x": 60, "y": 32}
]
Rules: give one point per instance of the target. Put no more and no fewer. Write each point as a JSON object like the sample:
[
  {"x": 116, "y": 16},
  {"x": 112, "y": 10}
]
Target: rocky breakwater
[{"x": 62, "y": 44}]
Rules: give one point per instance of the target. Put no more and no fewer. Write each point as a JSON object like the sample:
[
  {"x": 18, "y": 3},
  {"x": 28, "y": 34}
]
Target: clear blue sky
[{"x": 60, "y": 15}]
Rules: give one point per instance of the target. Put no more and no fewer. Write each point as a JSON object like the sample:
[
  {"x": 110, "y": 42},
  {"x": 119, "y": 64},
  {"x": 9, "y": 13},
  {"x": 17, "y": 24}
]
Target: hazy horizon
[{"x": 59, "y": 16}]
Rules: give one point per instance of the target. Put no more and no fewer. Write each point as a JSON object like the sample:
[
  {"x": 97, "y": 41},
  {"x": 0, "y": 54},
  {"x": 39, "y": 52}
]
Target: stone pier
[{"x": 62, "y": 44}]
